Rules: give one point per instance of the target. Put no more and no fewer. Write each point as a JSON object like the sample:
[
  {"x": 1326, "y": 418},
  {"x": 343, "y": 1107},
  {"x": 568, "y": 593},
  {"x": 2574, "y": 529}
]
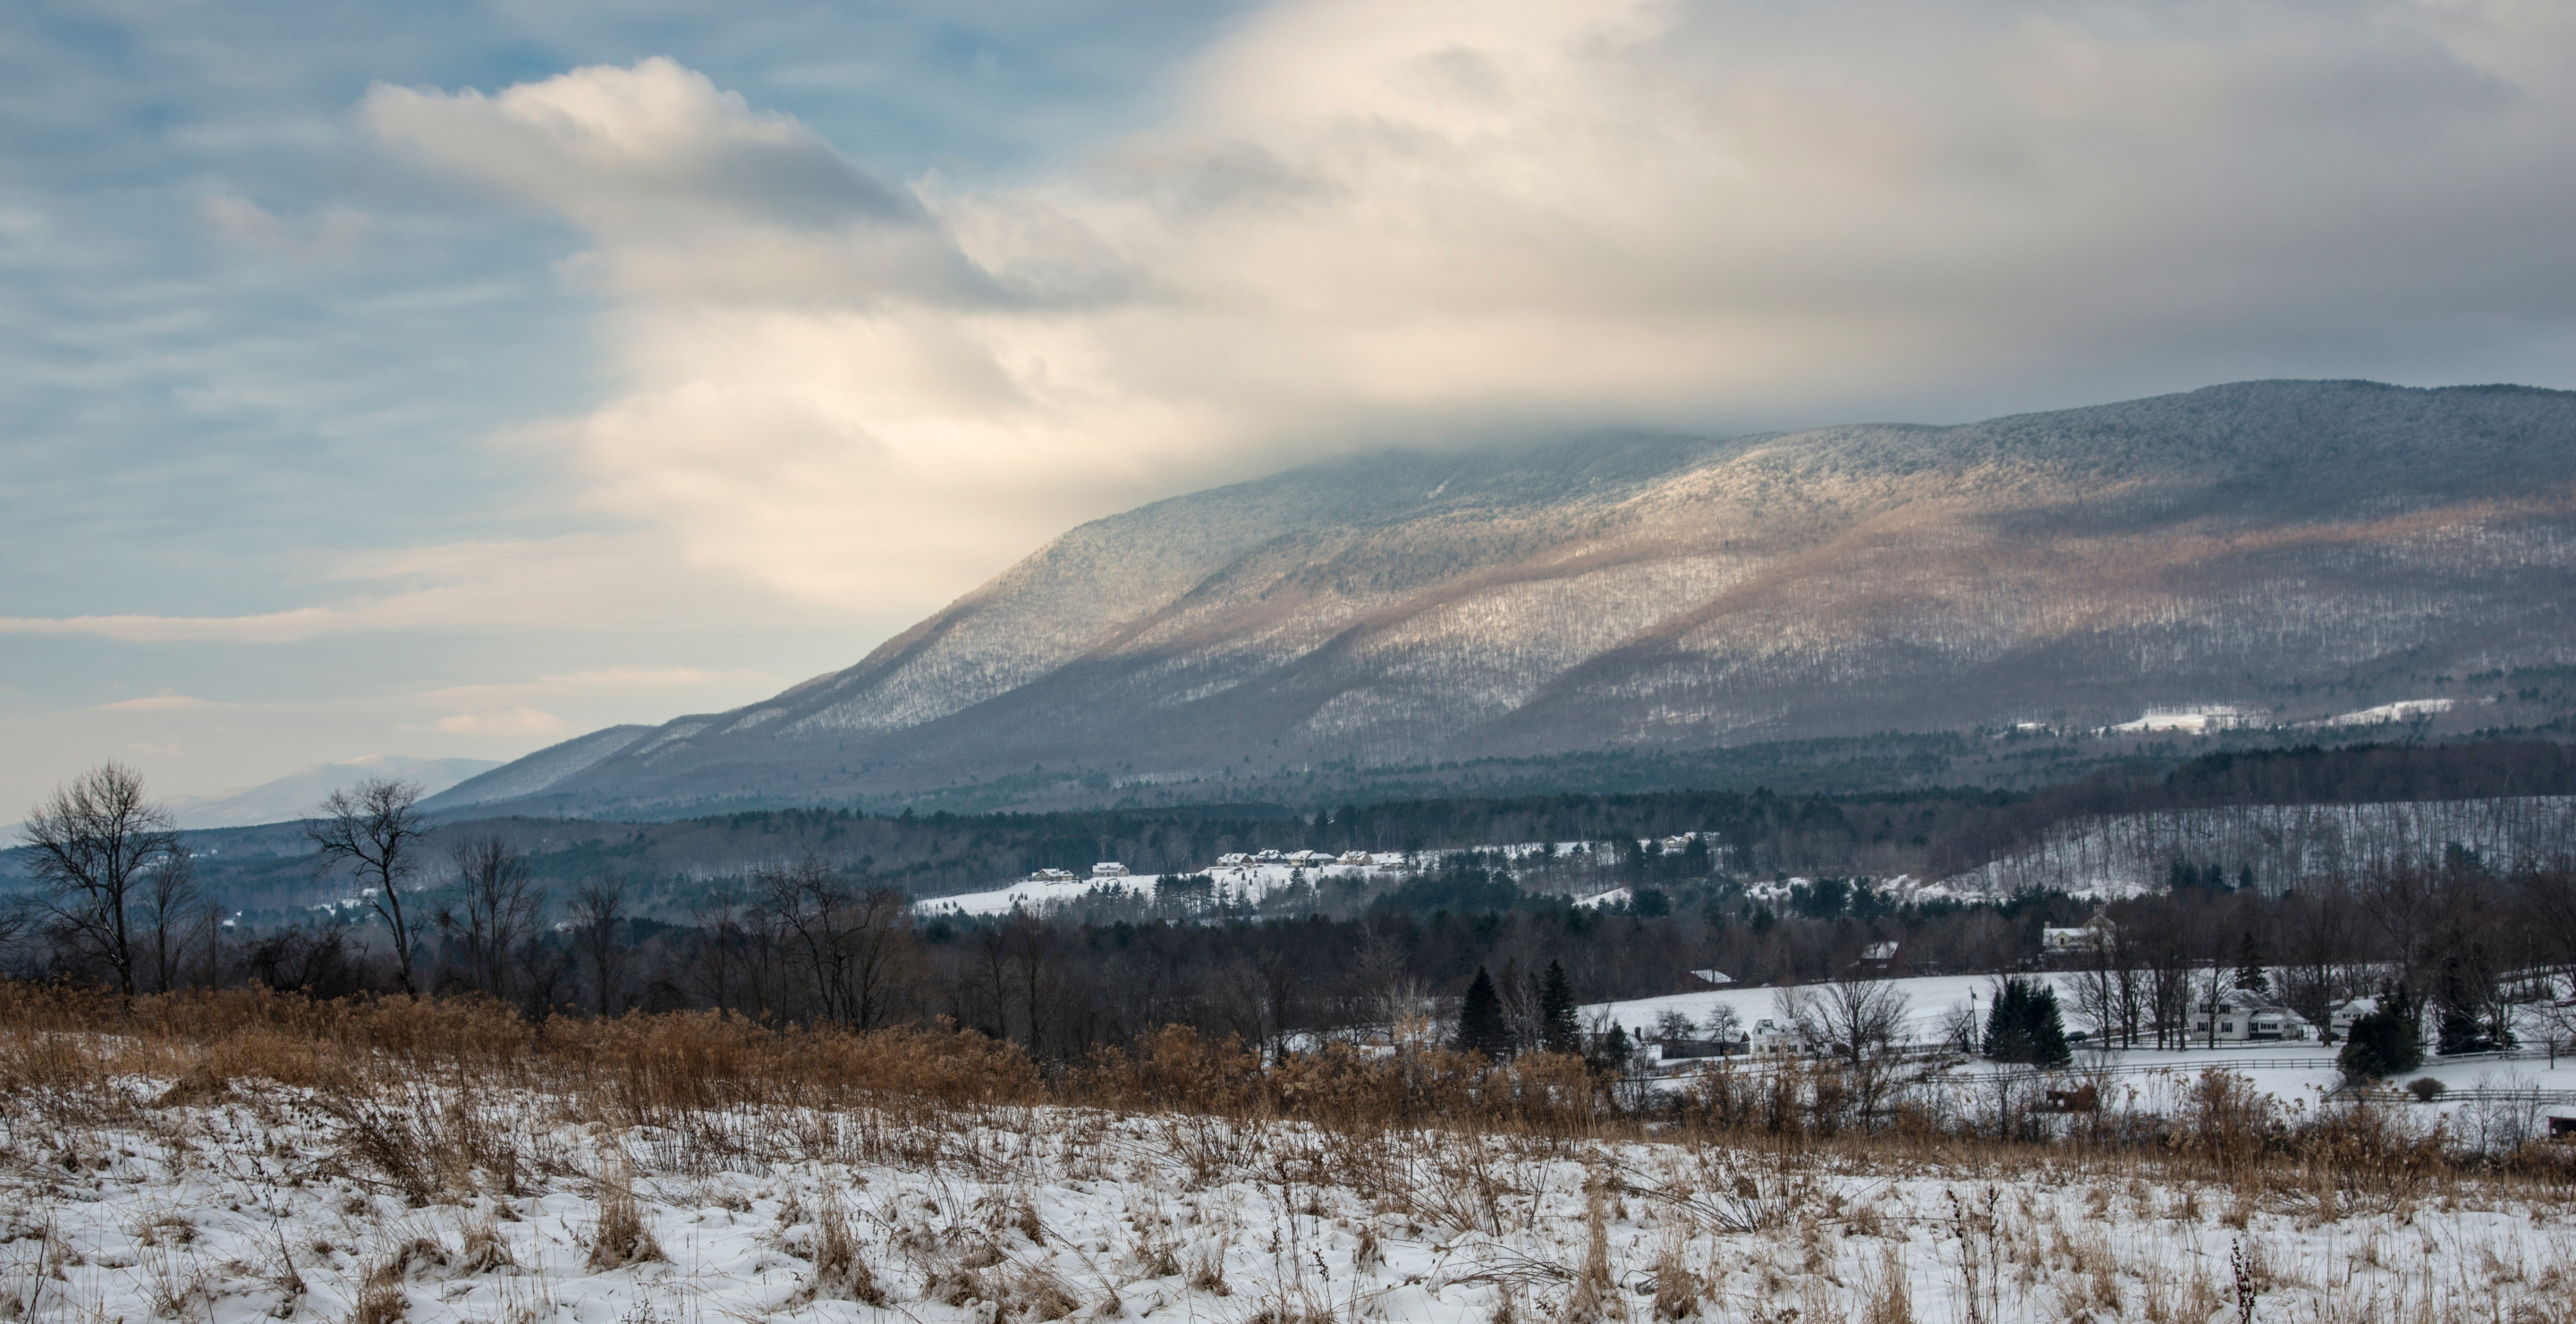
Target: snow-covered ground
[
  {"x": 2296, "y": 1073},
  {"x": 259, "y": 1206}
]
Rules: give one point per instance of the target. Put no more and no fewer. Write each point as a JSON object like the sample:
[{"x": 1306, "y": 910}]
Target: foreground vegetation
[{"x": 249, "y": 1153}]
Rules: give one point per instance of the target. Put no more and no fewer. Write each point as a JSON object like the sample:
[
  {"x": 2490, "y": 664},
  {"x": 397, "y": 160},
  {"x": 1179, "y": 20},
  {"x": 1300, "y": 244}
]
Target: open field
[{"x": 254, "y": 1156}]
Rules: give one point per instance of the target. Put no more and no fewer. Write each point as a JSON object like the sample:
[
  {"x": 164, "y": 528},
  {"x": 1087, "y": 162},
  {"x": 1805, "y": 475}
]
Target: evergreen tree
[
  {"x": 1556, "y": 1010},
  {"x": 2026, "y": 1025},
  {"x": 2386, "y": 1042},
  {"x": 2249, "y": 965},
  {"x": 2458, "y": 1024},
  {"x": 1480, "y": 1020},
  {"x": 1611, "y": 1054}
]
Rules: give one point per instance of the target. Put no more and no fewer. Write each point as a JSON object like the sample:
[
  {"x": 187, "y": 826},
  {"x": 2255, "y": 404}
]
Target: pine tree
[
  {"x": 2459, "y": 1026},
  {"x": 2386, "y": 1042},
  {"x": 2026, "y": 1025},
  {"x": 1480, "y": 1020},
  {"x": 2250, "y": 977},
  {"x": 1556, "y": 1010}
]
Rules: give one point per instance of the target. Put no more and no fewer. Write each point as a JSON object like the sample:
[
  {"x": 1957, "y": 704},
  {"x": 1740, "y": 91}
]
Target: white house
[
  {"x": 2341, "y": 1018},
  {"x": 2248, "y": 1017},
  {"x": 1051, "y": 876},
  {"x": 1355, "y": 857},
  {"x": 1777, "y": 1039},
  {"x": 2092, "y": 935},
  {"x": 1234, "y": 859},
  {"x": 1109, "y": 869},
  {"x": 1267, "y": 857}
]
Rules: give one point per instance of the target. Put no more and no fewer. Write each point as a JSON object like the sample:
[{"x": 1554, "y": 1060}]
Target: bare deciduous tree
[
  {"x": 493, "y": 910},
  {"x": 598, "y": 909},
  {"x": 1860, "y": 1021},
  {"x": 376, "y": 827},
  {"x": 91, "y": 846},
  {"x": 169, "y": 912},
  {"x": 855, "y": 944}
]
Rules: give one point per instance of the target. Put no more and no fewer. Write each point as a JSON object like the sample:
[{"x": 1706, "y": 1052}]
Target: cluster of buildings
[{"x": 1238, "y": 860}]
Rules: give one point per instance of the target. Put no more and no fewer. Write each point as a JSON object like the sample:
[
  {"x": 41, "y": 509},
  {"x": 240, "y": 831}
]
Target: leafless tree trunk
[
  {"x": 169, "y": 900},
  {"x": 376, "y": 828},
  {"x": 1857, "y": 1020},
  {"x": 495, "y": 908},
  {"x": 598, "y": 908},
  {"x": 90, "y": 846},
  {"x": 856, "y": 944}
]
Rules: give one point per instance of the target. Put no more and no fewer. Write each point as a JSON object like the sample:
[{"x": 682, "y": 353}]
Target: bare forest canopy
[{"x": 803, "y": 916}]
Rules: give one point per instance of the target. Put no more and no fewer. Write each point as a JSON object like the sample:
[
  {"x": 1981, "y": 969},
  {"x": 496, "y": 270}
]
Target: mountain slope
[
  {"x": 2251, "y": 544},
  {"x": 294, "y": 795}
]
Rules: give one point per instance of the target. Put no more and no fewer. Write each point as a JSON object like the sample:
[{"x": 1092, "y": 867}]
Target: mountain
[
  {"x": 294, "y": 795},
  {"x": 533, "y": 774},
  {"x": 2291, "y": 550}
]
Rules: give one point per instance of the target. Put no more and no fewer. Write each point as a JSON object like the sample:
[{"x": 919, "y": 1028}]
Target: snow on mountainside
[{"x": 2240, "y": 545}]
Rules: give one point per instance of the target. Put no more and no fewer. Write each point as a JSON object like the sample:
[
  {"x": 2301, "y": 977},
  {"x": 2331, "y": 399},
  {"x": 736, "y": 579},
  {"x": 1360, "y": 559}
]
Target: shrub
[{"x": 2388, "y": 1041}]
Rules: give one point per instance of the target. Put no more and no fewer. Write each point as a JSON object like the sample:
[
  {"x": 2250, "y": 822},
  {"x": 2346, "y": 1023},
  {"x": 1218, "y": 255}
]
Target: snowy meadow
[{"x": 244, "y": 1156}]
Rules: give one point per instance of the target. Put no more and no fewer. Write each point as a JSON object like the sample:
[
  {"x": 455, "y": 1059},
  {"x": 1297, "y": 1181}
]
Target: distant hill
[
  {"x": 537, "y": 772},
  {"x": 2289, "y": 550},
  {"x": 294, "y": 795}
]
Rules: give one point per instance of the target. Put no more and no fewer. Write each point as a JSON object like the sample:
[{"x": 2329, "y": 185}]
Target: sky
[{"x": 452, "y": 380}]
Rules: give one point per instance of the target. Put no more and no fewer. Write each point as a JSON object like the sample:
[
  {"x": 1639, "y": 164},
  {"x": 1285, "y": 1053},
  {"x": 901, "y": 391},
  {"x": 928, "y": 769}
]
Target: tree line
[{"x": 807, "y": 940}]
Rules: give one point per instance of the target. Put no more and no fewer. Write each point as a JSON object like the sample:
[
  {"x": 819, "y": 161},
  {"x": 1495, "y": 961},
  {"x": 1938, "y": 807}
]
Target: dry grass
[
  {"x": 622, "y": 1236},
  {"x": 424, "y": 1099}
]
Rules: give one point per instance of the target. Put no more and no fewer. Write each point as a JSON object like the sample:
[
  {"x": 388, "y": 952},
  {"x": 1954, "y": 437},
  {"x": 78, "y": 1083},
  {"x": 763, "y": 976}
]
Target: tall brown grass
[{"x": 415, "y": 1083}]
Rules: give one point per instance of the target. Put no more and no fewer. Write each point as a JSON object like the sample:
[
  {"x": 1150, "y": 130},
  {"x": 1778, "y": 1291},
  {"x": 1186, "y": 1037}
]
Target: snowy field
[
  {"x": 267, "y": 1203},
  {"x": 2296, "y": 1073}
]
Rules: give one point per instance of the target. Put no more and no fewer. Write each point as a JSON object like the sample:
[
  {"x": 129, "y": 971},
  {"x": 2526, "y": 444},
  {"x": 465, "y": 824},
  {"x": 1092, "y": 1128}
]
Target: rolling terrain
[{"x": 2292, "y": 550}]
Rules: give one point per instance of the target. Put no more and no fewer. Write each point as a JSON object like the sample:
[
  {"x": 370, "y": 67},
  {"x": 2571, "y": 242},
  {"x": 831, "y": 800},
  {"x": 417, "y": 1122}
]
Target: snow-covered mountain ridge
[{"x": 2248, "y": 545}]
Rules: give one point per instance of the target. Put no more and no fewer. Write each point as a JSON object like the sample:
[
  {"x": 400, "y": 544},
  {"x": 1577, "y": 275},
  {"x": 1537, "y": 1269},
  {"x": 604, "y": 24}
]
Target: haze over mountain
[
  {"x": 294, "y": 795},
  {"x": 2294, "y": 549}
]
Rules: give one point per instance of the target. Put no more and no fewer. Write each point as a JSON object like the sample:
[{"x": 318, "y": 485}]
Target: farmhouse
[
  {"x": 2245, "y": 1016},
  {"x": 1777, "y": 1039},
  {"x": 2339, "y": 1021},
  {"x": 2093, "y": 935},
  {"x": 1109, "y": 869}
]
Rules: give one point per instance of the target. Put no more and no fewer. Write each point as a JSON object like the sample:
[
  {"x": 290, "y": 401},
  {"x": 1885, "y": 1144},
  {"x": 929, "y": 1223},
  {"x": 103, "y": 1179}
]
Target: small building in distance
[
  {"x": 1051, "y": 876},
  {"x": 2339, "y": 1021},
  {"x": 2095, "y": 934},
  {"x": 1109, "y": 869},
  {"x": 2245, "y": 1016}
]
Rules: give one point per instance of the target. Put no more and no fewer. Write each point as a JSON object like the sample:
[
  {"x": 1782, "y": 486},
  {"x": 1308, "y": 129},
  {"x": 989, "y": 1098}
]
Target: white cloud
[
  {"x": 500, "y": 722},
  {"x": 153, "y": 703},
  {"x": 330, "y": 233},
  {"x": 1360, "y": 223},
  {"x": 571, "y": 582}
]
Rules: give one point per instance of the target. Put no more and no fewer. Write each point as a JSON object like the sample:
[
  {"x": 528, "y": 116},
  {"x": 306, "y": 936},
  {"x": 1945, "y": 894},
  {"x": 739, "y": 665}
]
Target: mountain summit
[{"x": 2274, "y": 546}]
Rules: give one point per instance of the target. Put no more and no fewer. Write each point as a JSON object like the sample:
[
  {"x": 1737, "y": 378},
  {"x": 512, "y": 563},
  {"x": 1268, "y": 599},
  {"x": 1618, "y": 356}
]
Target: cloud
[
  {"x": 499, "y": 722},
  {"x": 332, "y": 232},
  {"x": 1356, "y": 224},
  {"x": 163, "y": 702},
  {"x": 502, "y": 586},
  {"x": 696, "y": 194}
]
